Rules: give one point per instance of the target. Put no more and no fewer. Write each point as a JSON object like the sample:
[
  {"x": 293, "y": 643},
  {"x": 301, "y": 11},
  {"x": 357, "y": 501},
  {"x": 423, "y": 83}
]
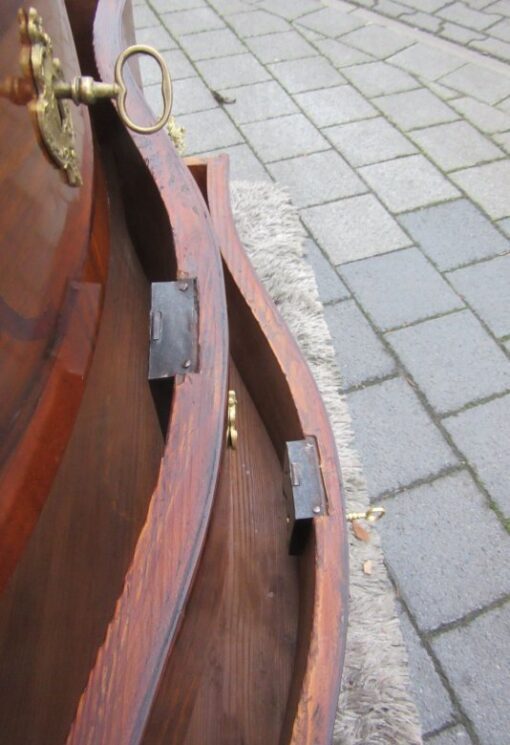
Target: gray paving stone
[
  {"x": 378, "y": 41},
  {"x": 494, "y": 47},
  {"x": 397, "y": 441},
  {"x": 164, "y": 5},
  {"x": 479, "y": 82},
  {"x": 486, "y": 287},
  {"x": 462, "y": 35},
  {"x": 354, "y": 228},
  {"x": 453, "y": 360},
  {"x": 485, "y": 117},
  {"x": 391, "y": 8},
  {"x": 476, "y": 659},
  {"x": 229, "y": 72},
  {"x": 452, "y": 736},
  {"x": 360, "y": 354},
  {"x": 144, "y": 17},
  {"x": 413, "y": 109},
  {"x": 154, "y": 98},
  {"x": 504, "y": 105},
  {"x": 178, "y": 66},
  {"x": 310, "y": 35},
  {"x": 157, "y": 37},
  {"x": 501, "y": 7},
  {"x": 501, "y": 29},
  {"x": 503, "y": 139},
  {"x": 317, "y": 178},
  {"x": 399, "y": 288},
  {"x": 422, "y": 20},
  {"x": 208, "y": 130},
  {"x": 441, "y": 541},
  {"x": 335, "y": 105},
  {"x": 429, "y": 63},
  {"x": 191, "y": 95},
  {"x": 330, "y": 286},
  {"x": 298, "y": 76},
  {"x": 455, "y": 145},
  {"x": 369, "y": 141},
  {"x": 244, "y": 165},
  {"x": 340, "y": 54},
  {"x": 209, "y": 44},
  {"x": 290, "y": 9},
  {"x": 257, "y": 22},
  {"x": 434, "y": 704},
  {"x": 459, "y": 13},
  {"x": 482, "y": 434},
  {"x": 479, "y": 4},
  {"x": 489, "y": 186},
  {"x": 284, "y": 137},
  {"x": 330, "y": 22},
  {"x": 505, "y": 225},
  {"x": 379, "y": 78},
  {"x": 427, "y": 6},
  {"x": 406, "y": 183},
  {"x": 224, "y": 7},
  {"x": 259, "y": 101},
  {"x": 192, "y": 21},
  {"x": 447, "y": 94},
  {"x": 282, "y": 46},
  {"x": 454, "y": 233}
]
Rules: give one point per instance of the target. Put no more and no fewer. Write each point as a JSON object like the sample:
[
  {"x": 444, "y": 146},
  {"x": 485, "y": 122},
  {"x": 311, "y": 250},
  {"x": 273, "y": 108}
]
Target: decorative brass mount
[
  {"x": 372, "y": 515},
  {"x": 49, "y": 102},
  {"x": 231, "y": 420}
]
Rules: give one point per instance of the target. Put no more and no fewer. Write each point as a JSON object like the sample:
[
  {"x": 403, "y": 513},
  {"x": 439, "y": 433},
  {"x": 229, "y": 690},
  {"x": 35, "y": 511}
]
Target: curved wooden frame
[
  {"x": 116, "y": 702},
  {"x": 314, "y": 697}
]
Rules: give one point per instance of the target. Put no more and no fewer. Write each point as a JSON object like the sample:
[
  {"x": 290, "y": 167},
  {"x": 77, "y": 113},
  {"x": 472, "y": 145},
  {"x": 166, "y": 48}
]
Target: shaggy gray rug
[{"x": 375, "y": 706}]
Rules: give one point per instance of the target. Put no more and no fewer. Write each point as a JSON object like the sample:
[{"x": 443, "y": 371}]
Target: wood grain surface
[
  {"x": 324, "y": 566},
  {"x": 45, "y": 253},
  {"x": 56, "y": 608},
  {"x": 116, "y": 702},
  {"x": 228, "y": 678}
]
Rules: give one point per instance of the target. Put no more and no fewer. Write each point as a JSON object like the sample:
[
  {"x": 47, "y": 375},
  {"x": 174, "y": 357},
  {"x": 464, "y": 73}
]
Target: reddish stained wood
[
  {"x": 44, "y": 248},
  {"x": 116, "y": 702},
  {"x": 61, "y": 596},
  {"x": 324, "y": 567}
]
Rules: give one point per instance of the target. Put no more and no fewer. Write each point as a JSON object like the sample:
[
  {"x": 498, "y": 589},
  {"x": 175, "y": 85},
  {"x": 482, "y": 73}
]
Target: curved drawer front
[{"x": 50, "y": 284}]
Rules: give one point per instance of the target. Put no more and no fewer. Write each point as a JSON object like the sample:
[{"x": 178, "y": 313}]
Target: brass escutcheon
[{"x": 49, "y": 104}]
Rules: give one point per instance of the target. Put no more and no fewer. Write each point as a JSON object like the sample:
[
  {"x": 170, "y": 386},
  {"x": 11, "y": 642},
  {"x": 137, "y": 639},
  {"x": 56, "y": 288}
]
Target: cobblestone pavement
[
  {"x": 394, "y": 145},
  {"x": 480, "y": 24}
]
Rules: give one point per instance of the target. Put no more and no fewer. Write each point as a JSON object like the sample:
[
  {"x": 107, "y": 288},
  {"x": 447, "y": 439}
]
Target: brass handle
[{"x": 86, "y": 90}]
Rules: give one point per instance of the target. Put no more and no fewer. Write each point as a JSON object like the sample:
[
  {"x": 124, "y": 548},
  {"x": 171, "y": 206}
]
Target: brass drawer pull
[
  {"x": 42, "y": 71},
  {"x": 231, "y": 420}
]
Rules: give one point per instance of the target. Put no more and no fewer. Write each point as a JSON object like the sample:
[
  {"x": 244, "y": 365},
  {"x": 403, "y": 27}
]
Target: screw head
[
  {"x": 186, "y": 364},
  {"x": 316, "y": 510},
  {"x": 183, "y": 286}
]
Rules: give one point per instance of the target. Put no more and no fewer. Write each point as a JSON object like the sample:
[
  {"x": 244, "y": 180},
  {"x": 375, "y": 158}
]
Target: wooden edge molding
[
  {"x": 320, "y": 656},
  {"x": 123, "y": 682}
]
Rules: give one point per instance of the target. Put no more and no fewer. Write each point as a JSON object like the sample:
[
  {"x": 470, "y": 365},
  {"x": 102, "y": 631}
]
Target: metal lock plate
[
  {"x": 173, "y": 346},
  {"x": 303, "y": 490}
]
